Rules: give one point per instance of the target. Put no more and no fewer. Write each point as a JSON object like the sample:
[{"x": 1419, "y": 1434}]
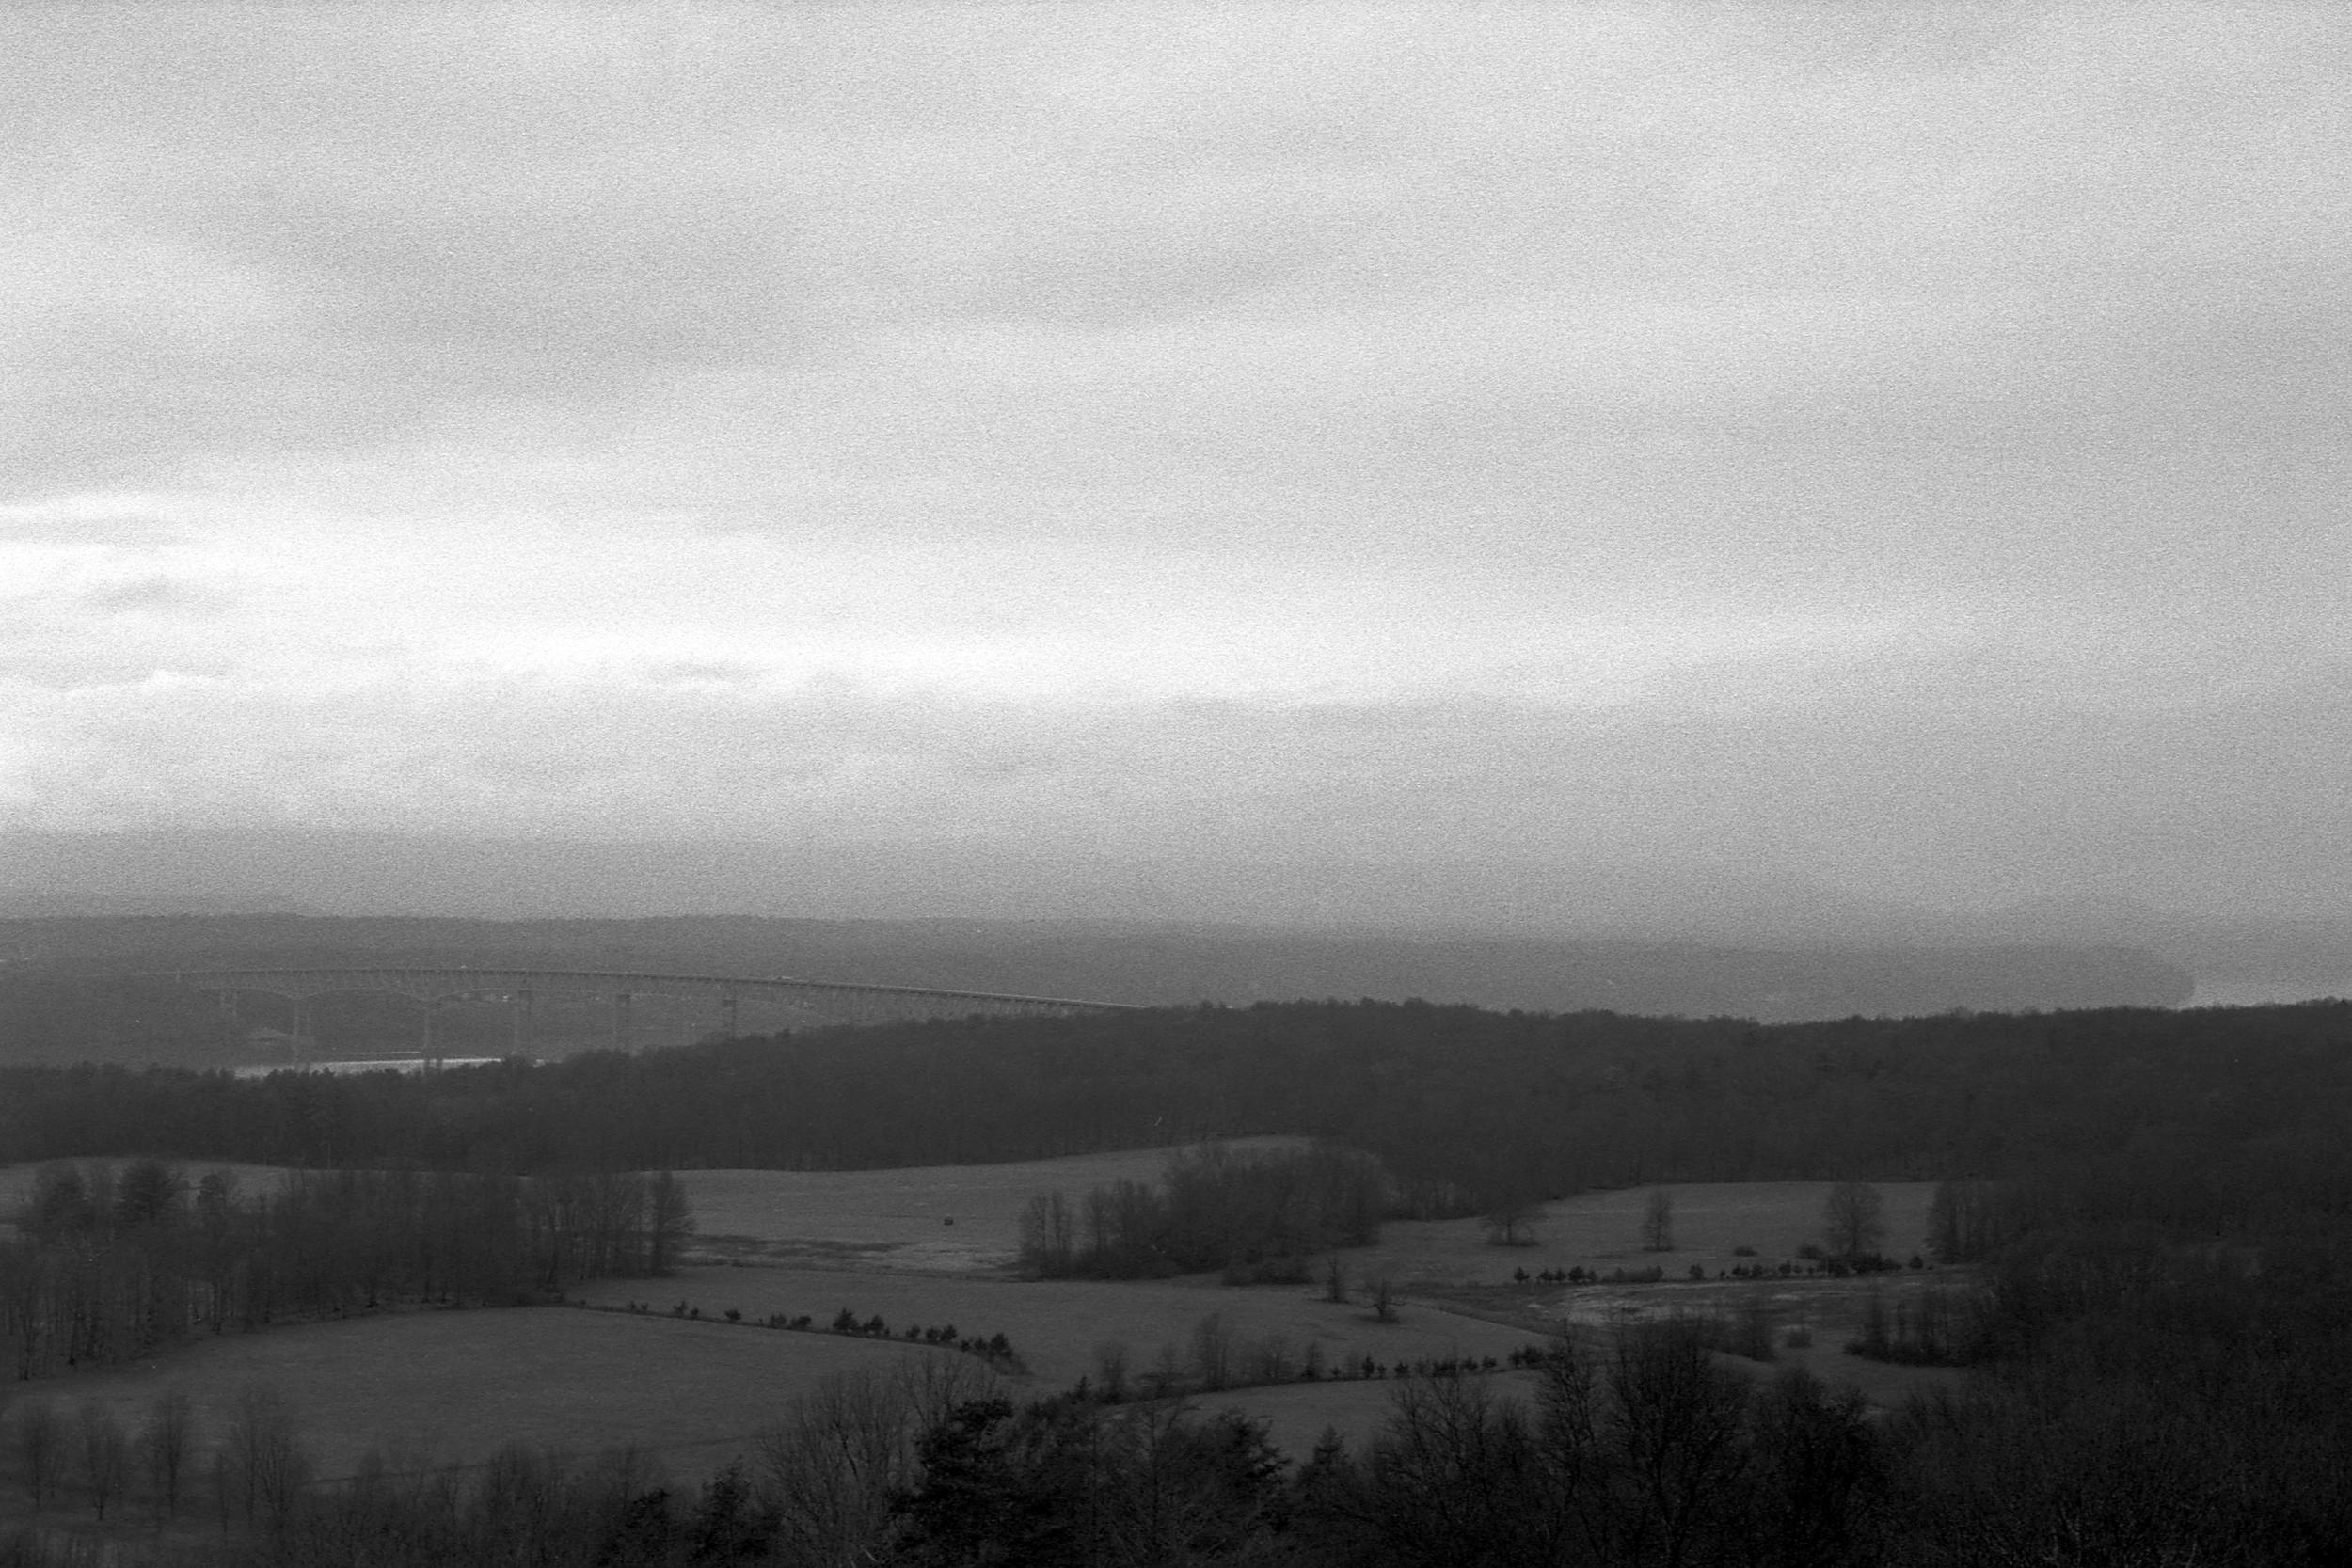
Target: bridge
[{"x": 519, "y": 989}]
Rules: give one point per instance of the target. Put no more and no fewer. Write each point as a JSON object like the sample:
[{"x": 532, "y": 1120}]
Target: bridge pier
[
  {"x": 522, "y": 1020},
  {"x": 431, "y": 1050},
  {"x": 726, "y": 1016},
  {"x": 620, "y": 1020}
]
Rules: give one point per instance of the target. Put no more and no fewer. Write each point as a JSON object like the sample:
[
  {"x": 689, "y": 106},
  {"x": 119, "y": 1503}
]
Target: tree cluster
[
  {"x": 1258, "y": 1213},
  {"x": 262, "y": 1507},
  {"x": 1645, "y": 1450},
  {"x": 818, "y": 1487},
  {"x": 108, "y": 1265}
]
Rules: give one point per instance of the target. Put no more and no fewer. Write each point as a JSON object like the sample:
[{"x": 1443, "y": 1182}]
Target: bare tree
[
  {"x": 669, "y": 1221},
  {"x": 1268, "y": 1361},
  {"x": 163, "y": 1449},
  {"x": 1335, "y": 1279},
  {"x": 1212, "y": 1351},
  {"x": 936, "y": 1383},
  {"x": 831, "y": 1464},
  {"x": 1383, "y": 1301},
  {"x": 1168, "y": 1372},
  {"x": 1853, "y": 1220},
  {"x": 39, "y": 1449},
  {"x": 104, "y": 1456},
  {"x": 1507, "y": 1219},
  {"x": 1677, "y": 1433},
  {"x": 1110, "y": 1369},
  {"x": 1657, "y": 1221},
  {"x": 262, "y": 1466},
  {"x": 1456, "y": 1476},
  {"x": 1966, "y": 1221},
  {"x": 27, "y": 1278},
  {"x": 1048, "y": 1235}
]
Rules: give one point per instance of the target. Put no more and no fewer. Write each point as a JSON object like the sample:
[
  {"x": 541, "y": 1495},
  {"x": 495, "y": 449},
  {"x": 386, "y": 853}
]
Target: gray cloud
[{"x": 1893, "y": 446}]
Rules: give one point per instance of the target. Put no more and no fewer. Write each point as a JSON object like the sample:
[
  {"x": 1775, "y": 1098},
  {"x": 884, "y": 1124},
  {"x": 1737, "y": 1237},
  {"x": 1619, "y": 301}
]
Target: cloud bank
[{"x": 1891, "y": 447}]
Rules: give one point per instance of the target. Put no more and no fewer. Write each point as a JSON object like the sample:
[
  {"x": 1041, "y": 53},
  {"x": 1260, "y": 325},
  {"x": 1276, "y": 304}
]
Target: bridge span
[{"x": 832, "y": 1001}]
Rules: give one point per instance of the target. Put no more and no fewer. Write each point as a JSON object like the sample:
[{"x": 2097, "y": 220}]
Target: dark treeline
[
  {"x": 1463, "y": 1107},
  {"x": 2157, "y": 1210},
  {"x": 110, "y": 1266},
  {"x": 1260, "y": 1213},
  {"x": 820, "y": 1485},
  {"x": 2160, "y": 1382},
  {"x": 1636, "y": 1449}
]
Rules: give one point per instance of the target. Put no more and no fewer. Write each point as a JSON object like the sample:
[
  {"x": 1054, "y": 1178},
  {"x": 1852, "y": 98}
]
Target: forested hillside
[
  {"x": 2153, "y": 1208},
  {"x": 1464, "y": 1106}
]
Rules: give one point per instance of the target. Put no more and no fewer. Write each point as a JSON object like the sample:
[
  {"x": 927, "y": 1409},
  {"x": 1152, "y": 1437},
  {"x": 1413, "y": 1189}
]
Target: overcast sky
[{"x": 1902, "y": 450}]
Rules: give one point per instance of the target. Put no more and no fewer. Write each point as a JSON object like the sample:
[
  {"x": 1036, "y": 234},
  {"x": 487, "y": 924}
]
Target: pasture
[
  {"x": 1056, "y": 1325},
  {"x": 898, "y": 1219},
  {"x": 1604, "y": 1231},
  {"x": 428, "y": 1388},
  {"x": 440, "y": 1386},
  {"x": 1297, "y": 1415},
  {"x": 949, "y": 1219}
]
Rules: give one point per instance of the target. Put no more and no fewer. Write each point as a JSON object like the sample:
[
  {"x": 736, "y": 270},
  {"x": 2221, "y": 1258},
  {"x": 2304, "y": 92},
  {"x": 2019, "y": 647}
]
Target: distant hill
[
  {"x": 57, "y": 1002},
  {"x": 837, "y": 902}
]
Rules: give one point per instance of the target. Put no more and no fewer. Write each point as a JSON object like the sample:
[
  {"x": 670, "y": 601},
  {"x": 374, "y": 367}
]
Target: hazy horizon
[
  {"x": 357, "y": 876},
  {"x": 1686, "y": 466}
]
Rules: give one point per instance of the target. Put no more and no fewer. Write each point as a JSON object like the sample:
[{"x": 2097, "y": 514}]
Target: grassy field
[
  {"x": 433, "y": 1388},
  {"x": 1453, "y": 1263},
  {"x": 898, "y": 1219},
  {"x": 1056, "y": 1325},
  {"x": 949, "y": 1219},
  {"x": 1297, "y": 1415},
  {"x": 458, "y": 1386},
  {"x": 1604, "y": 1231}
]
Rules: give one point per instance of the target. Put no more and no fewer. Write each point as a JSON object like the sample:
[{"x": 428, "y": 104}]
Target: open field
[
  {"x": 459, "y": 1386},
  {"x": 898, "y": 1219},
  {"x": 1604, "y": 1231},
  {"x": 1297, "y": 1415},
  {"x": 951, "y": 1219},
  {"x": 434, "y": 1387},
  {"x": 895, "y": 1220},
  {"x": 1056, "y": 1325}
]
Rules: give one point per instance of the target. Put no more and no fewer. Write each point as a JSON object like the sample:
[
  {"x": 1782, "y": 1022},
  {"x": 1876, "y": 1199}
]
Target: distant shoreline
[{"x": 341, "y": 1068}]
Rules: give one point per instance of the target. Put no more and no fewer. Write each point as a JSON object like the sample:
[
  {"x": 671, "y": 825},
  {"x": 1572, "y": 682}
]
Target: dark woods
[
  {"x": 1466, "y": 1109},
  {"x": 110, "y": 1266},
  {"x": 2145, "y": 1221},
  {"x": 1261, "y": 1215}
]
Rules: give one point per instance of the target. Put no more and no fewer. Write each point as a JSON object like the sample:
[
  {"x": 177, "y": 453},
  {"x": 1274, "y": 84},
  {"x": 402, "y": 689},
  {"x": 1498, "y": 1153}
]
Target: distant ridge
[{"x": 1161, "y": 964}]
